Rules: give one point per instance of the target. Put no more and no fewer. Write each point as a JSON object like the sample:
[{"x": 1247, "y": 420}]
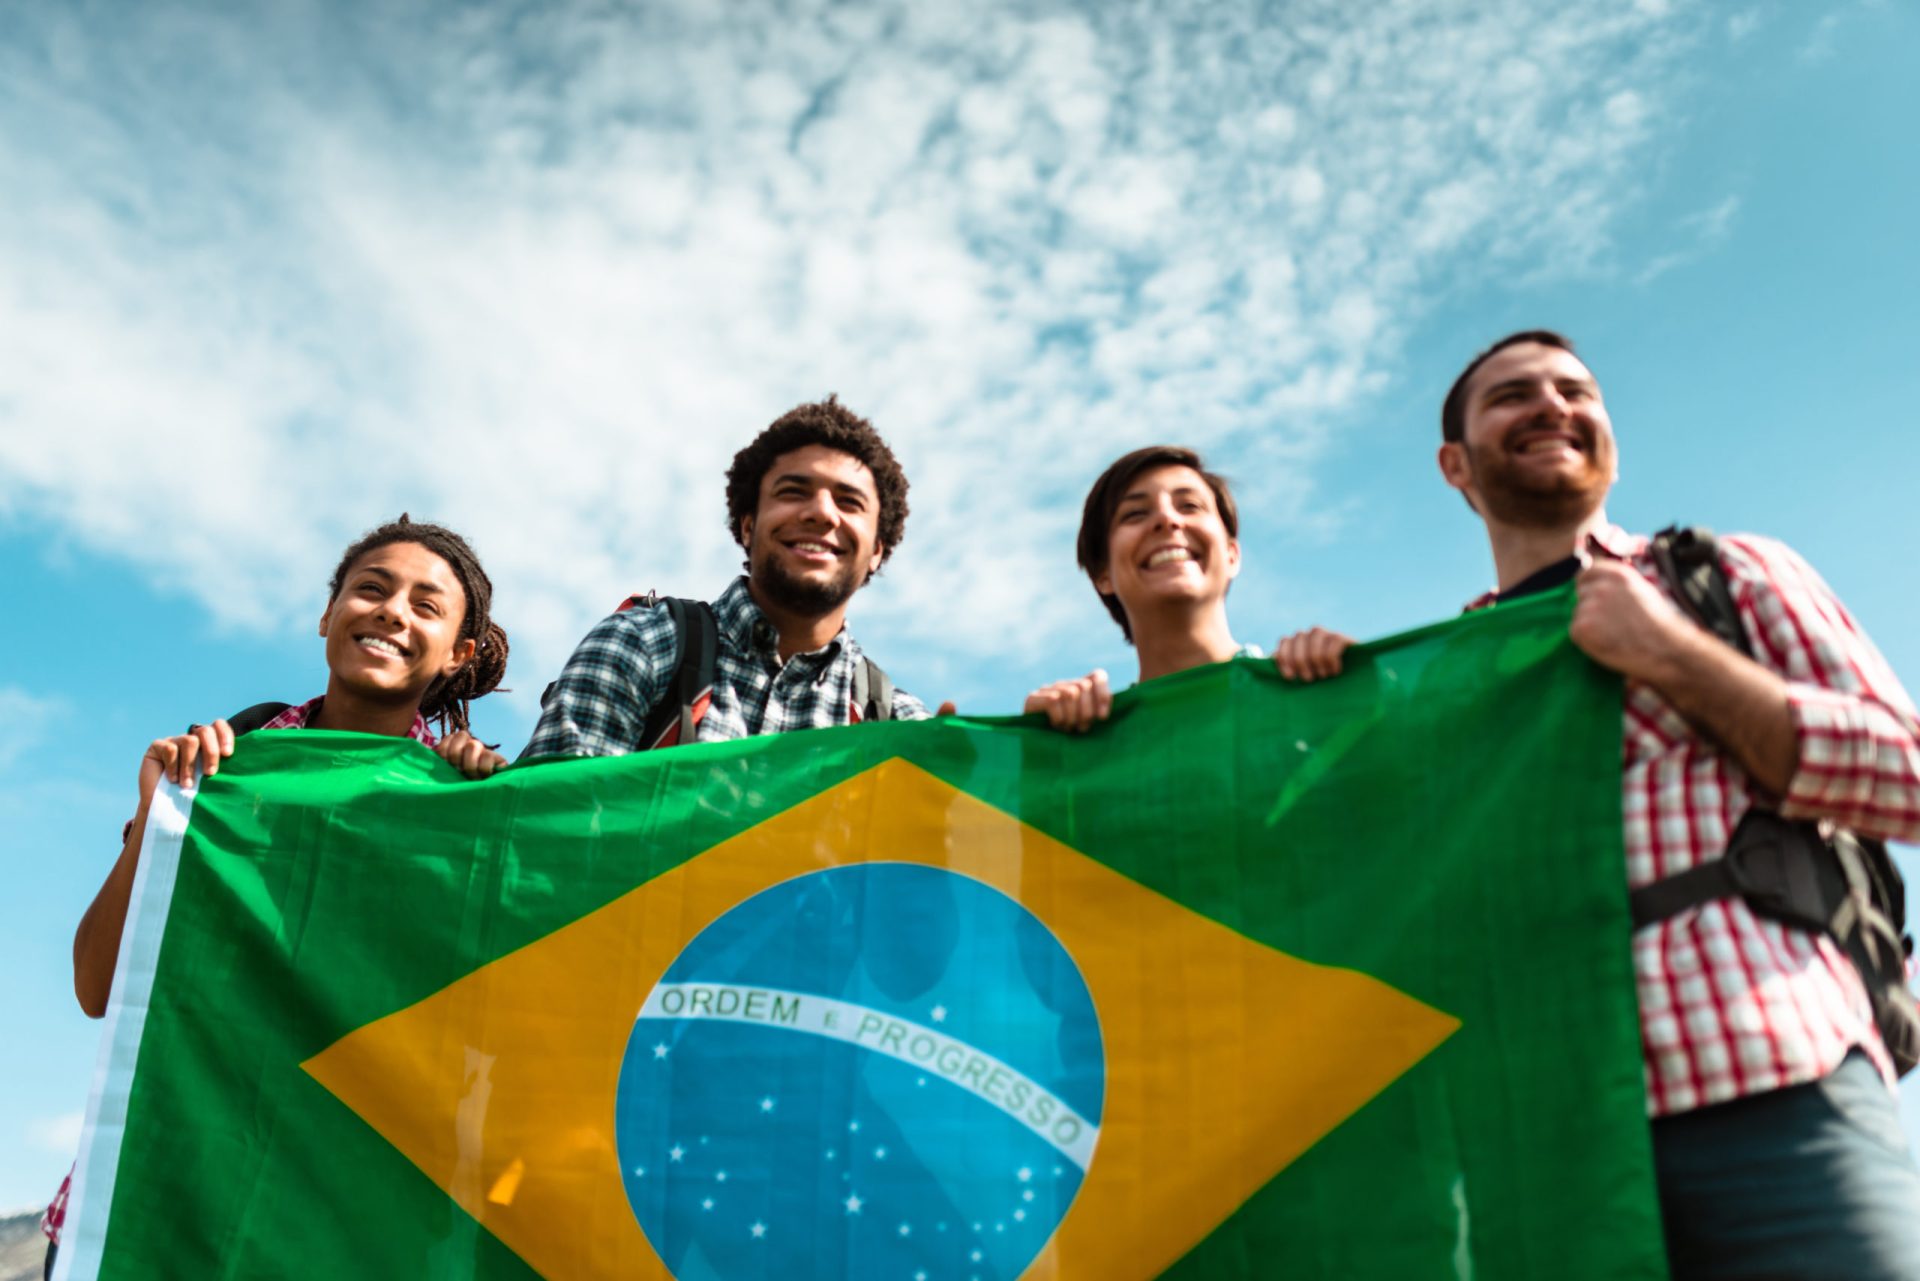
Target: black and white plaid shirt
[{"x": 599, "y": 705}]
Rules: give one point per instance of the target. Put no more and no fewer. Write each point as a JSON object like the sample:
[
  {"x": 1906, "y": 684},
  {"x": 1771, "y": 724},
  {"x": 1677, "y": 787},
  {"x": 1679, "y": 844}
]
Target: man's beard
[
  {"x": 808, "y": 598},
  {"x": 1514, "y": 496}
]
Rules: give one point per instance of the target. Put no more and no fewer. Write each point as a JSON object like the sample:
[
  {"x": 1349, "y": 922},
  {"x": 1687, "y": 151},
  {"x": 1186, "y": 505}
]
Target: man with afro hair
[{"x": 817, "y": 502}]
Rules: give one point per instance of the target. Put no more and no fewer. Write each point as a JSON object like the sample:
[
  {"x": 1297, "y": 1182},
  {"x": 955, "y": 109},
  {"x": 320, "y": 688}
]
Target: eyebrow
[
  {"x": 838, "y": 486},
  {"x": 1141, "y": 495},
  {"x": 1510, "y": 383},
  {"x": 424, "y": 585}
]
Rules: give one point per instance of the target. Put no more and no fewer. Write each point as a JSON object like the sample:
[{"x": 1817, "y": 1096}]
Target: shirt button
[{"x": 763, "y": 633}]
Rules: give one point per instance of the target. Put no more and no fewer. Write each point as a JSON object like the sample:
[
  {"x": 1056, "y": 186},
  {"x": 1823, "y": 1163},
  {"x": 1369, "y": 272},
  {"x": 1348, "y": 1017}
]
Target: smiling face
[
  {"x": 1167, "y": 543},
  {"x": 1538, "y": 447},
  {"x": 813, "y": 539},
  {"x": 394, "y": 627}
]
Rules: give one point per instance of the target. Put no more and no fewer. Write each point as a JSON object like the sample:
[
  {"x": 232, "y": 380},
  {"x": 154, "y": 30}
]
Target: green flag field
[{"x": 1255, "y": 980}]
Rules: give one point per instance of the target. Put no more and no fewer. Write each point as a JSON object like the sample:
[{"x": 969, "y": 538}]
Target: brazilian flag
[{"x": 1256, "y": 980}]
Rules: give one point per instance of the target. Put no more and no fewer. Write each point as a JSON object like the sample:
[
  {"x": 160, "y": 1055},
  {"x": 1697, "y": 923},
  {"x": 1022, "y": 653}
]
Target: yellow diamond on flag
[{"x": 1222, "y": 1059}]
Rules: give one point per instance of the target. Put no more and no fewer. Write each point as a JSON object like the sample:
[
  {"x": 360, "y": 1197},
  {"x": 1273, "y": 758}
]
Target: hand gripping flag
[{"x": 1255, "y": 980}]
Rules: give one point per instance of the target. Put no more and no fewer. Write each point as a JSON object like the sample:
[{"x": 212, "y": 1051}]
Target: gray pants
[{"x": 1809, "y": 1183}]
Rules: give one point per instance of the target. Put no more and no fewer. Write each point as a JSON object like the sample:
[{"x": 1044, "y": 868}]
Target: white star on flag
[
  {"x": 759, "y": 1230},
  {"x": 676, "y": 1152},
  {"x": 853, "y": 1203},
  {"x": 939, "y": 1014}
]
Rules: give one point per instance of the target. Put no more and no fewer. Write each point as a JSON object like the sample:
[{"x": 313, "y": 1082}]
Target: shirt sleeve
[
  {"x": 908, "y": 708},
  {"x": 1856, "y": 728},
  {"x": 599, "y": 705}
]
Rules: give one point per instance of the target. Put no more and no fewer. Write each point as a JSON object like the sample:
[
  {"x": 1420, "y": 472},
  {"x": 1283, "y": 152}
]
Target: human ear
[
  {"x": 744, "y": 535},
  {"x": 1457, "y": 470},
  {"x": 459, "y": 656},
  {"x": 1233, "y": 558},
  {"x": 1103, "y": 583}
]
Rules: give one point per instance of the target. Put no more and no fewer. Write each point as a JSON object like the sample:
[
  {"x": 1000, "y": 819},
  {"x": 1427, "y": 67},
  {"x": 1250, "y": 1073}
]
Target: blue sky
[{"x": 539, "y": 271}]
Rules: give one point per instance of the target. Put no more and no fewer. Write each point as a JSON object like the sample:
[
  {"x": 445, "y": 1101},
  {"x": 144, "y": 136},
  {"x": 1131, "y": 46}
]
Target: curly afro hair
[{"x": 832, "y": 424}]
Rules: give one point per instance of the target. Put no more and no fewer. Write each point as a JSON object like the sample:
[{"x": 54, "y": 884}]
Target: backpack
[
  {"x": 1844, "y": 886},
  {"x": 684, "y": 703},
  {"x": 252, "y": 718}
]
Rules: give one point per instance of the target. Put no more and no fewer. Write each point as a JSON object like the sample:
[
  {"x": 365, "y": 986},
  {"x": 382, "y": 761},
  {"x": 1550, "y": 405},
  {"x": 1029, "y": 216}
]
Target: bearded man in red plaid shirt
[{"x": 1776, "y": 1131}]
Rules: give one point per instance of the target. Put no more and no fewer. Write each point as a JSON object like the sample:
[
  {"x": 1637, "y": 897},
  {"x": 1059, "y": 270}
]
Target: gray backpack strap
[{"x": 872, "y": 691}]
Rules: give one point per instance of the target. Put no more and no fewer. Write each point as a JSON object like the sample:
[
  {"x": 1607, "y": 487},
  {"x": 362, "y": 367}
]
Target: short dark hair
[
  {"x": 447, "y": 699},
  {"x": 1103, "y": 500},
  {"x": 1453, "y": 410},
  {"x": 832, "y": 424}
]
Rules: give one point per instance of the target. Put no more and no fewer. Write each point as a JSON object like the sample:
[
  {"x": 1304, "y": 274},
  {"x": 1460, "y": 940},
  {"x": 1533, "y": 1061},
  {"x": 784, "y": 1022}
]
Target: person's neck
[
  {"x": 1521, "y": 551},
  {"x": 1182, "y": 640},
  {"x": 345, "y": 710},
  {"x": 799, "y": 633}
]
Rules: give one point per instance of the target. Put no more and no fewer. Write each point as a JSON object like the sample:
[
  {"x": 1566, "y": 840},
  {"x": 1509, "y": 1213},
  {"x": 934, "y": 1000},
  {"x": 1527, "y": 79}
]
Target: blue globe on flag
[{"x": 883, "y": 1070}]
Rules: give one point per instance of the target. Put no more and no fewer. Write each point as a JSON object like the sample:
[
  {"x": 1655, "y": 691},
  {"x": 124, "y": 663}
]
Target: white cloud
[
  {"x": 57, "y": 1134},
  {"x": 24, "y": 721},
  {"x": 541, "y": 279}
]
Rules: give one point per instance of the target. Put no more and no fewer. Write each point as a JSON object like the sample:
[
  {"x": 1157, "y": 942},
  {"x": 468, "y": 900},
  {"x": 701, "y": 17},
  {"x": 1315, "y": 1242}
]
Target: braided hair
[{"x": 447, "y": 698}]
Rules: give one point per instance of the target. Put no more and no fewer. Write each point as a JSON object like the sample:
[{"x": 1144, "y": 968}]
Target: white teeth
[
  {"x": 382, "y": 646},
  {"x": 822, "y": 548},
  {"x": 1166, "y": 554}
]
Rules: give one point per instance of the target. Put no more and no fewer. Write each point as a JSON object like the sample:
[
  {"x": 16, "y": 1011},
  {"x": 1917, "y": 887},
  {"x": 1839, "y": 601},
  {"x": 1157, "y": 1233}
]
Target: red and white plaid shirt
[
  {"x": 1732, "y": 1004},
  {"x": 55, "y": 1217},
  {"x": 297, "y": 718}
]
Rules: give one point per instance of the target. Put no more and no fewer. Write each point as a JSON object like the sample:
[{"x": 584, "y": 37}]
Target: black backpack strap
[
  {"x": 252, "y": 718},
  {"x": 1840, "y": 886},
  {"x": 872, "y": 691},
  {"x": 1689, "y": 560},
  {"x": 676, "y": 714},
  {"x": 1784, "y": 869}
]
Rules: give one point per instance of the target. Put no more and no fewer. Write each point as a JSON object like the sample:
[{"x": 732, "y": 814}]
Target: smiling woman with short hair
[{"x": 1159, "y": 538}]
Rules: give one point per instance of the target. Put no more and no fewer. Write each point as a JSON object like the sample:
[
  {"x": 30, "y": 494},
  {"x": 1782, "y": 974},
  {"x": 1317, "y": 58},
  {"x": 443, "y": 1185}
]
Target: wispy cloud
[
  {"x": 24, "y": 721},
  {"x": 1696, "y": 235},
  {"x": 56, "y": 1134},
  {"x": 1820, "y": 42},
  {"x": 540, "y": 272}
]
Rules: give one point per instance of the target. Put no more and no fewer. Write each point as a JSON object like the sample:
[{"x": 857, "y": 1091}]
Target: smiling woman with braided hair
[{"x": 410, "y": 639}]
